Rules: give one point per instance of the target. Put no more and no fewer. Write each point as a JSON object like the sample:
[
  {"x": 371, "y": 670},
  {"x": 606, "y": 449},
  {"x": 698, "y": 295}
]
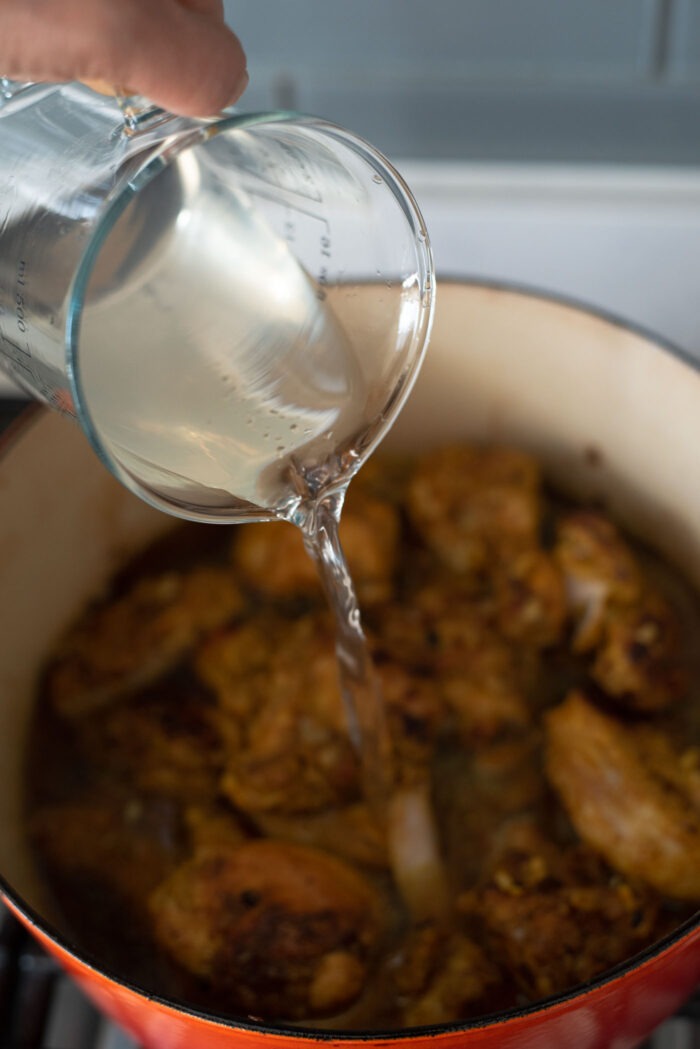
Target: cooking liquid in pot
[{"x": 98, "y": 780}]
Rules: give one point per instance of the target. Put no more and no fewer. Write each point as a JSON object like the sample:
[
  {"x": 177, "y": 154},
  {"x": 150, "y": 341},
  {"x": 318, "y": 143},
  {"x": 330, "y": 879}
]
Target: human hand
[{"x": 178, "y": 53}]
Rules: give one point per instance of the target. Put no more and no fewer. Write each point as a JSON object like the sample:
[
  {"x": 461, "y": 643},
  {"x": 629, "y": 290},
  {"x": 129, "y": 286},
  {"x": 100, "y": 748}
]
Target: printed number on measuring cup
[{"x": 19, "y": 296}]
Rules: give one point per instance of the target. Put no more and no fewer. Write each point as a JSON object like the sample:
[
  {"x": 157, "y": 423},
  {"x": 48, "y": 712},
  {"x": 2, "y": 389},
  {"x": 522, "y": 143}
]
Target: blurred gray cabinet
[
  {"x": 684, "y": 42},
  {"x": 590, "y": 80}
]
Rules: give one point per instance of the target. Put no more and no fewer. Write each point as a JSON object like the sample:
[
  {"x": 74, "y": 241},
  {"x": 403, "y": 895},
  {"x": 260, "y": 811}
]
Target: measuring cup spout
[{"x": 139, "y": 113}]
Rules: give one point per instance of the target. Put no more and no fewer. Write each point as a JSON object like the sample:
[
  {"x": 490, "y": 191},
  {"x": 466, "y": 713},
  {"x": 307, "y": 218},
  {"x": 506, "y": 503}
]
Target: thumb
[
  {"x": 192, "y": 63},
  {"x": 180, "y": 55}
]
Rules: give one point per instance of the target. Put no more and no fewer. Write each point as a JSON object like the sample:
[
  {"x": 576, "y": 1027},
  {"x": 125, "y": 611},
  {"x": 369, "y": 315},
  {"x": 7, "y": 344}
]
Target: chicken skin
[
  {"x": 449, "y": 636},
  {"x": 286, "y": 931},
  {"x": 634, "y": 813},
  {"x": 600, "y": 571},
  {"x": 555, "y": 917},
  {"x": 472, "y": 506},
  {"x": 630, "y": 630},
  {"x": 530, "y": 598},
  {"x": 127, "y": 643},
  {"x": 287, "y": 743},
  {"x": 169, "y": 746},
  {"x": 638, "y": 661}
]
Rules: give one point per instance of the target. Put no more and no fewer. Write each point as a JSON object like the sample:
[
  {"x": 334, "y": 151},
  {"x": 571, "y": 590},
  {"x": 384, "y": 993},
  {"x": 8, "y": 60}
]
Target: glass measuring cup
[{"x": 186, "y": 290}]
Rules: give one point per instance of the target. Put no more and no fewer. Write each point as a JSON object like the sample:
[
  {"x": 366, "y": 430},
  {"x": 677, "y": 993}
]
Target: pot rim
[{"x": 14, "y": 431}]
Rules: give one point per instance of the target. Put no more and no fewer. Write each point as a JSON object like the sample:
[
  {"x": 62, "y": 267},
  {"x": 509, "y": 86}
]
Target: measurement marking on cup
[
  {"x": 16, "y": 346},
  {"x": 18, "y": 364},
  {"x": 21, "y": 359},
  {"x": 20, "y": 315}
]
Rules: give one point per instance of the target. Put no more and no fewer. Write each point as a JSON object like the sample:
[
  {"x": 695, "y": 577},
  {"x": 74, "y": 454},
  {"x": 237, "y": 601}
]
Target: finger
[
  {"x": 194, "y": 65},
  {"x": 183, "y": 59}
]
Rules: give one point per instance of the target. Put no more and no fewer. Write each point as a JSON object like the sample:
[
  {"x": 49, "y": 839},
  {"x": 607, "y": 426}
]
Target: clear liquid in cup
[{"x": 212, "y": 365}]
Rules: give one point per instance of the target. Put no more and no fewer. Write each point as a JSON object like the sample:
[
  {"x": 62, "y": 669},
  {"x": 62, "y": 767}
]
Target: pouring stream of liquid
[{"x": 404, "y": 812}]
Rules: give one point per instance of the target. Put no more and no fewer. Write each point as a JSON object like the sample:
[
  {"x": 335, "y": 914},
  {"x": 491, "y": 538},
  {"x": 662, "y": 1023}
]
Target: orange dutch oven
[{"x": 611, "y": 412}]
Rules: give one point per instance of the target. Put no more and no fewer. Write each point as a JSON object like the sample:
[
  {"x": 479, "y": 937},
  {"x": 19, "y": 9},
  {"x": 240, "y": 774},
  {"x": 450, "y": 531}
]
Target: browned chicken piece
[
  {"x": 235, "y": 664},
  {"x": 530, "y": 598},
  {"x": 288, "y": 749},
  {"x": 370, "y": 534},
  {"x": 271, "y": 557},
  {"x": 285, "y": 931},
  {"x": 638, "y": 661},
  {"x": 169, "y": 747},
  {"x": 599, "y": 570},
  {"x": 474, "y": 506},
  {"x": 480, "y": 676},
  {"x": 481, "y": 679},
  {"x": 279, "y": 680},
  {"x": 634, "y": 812},
  {"x": 290, "y": 763},
  {"x": 125, "y": 644},
  {"x": 402, "y": 632},
  {"x": 631, "y": 630},
  {"x": 414, "y": 715},
  {"x": 443, "y": 976},
  {"x": 554, "y": 918}
]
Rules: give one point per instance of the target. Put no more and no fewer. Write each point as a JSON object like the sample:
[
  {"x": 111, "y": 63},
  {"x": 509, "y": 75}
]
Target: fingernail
[{"x": 104, "y": 87}]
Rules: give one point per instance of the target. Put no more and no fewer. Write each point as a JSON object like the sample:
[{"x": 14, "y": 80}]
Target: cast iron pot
[{"x": 611, "y": 412}]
